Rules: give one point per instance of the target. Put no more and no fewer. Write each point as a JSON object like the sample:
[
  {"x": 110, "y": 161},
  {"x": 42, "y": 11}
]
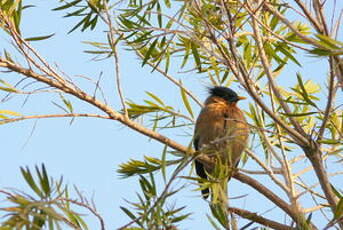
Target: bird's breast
[{"x": 222, "y": 129}]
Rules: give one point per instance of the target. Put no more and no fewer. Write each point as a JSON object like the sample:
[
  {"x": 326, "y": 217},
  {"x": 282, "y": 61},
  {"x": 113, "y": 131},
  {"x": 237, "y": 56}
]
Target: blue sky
[{"x": 88, "y": 152}]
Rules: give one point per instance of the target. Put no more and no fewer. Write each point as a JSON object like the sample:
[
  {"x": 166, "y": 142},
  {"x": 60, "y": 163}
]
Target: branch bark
[
  {"x": 259, "y": 219},
  {"x": 93, "y": 101},
  {"x": 4, "y": 121},
  {"x": 318, "y": 166},
  {"x": 301, "y": 221}
]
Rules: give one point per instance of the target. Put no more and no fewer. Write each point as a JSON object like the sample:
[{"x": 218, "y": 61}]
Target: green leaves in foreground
[
  {"x": 47, "y": 206},
  {"x": 163, "y": 115},
  {"x": 88, "y": 11},
  {"x": 326, "y": 46},
  {"x": 151, "y": 211},
  {"x": 150, "y": 164}
]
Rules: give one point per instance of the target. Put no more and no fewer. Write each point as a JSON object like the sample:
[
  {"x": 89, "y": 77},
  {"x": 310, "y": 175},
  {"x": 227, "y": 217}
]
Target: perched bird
[{"x": 221, "y": 130}]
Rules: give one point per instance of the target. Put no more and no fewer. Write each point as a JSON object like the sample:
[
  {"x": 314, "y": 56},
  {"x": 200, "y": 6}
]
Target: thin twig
[
  {"x": 267, "y": 193},
  {"x": 163, "y": 194},
  {"x": 267, "y": 170},
  {"x": 5, "y": 121},
  {"x": 91, "y": 209},
  {"x": 113, "y": 45},
  {"x": 271, "y": 81}
]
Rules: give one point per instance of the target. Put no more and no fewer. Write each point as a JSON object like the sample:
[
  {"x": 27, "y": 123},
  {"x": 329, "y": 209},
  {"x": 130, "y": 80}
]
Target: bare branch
[
  {"x": 267, "y": 170},
  {"x": 5, "y": 121},
  {"x": 113, "y": 44},
  {"x": 268, "y": 194},
  {"x": 259, "y": 219},
  {"x": 91, "y": 209},
  {"x": 271, "y": 80},
  {"x": 317, "y": 25},
  {"x": 93, "y": 101}
]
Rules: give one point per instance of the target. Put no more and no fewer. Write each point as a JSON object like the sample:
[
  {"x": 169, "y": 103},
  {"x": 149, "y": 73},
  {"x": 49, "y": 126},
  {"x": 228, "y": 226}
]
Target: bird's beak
[{"x": 241, "y": 98}]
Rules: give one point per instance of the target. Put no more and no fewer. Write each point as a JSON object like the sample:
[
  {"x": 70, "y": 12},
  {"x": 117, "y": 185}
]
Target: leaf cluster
[
  {"x": 152, "y": 211},
  {"x": 49, "y": 207}
]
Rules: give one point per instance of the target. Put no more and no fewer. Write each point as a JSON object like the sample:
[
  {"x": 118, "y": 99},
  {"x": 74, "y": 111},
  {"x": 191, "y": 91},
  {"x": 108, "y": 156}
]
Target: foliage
[
  {"x": 253, "y": 44},
  {"x": 48, "y": 206}
]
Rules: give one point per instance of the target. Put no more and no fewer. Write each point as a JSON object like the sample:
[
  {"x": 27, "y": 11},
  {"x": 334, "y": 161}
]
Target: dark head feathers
[{"x": 225, "y": 93}]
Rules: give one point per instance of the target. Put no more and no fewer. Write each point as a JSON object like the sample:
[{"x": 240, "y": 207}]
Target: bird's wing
[
  {"x": 196, "y": 143},
  {"x": 238, "y": 129},
  {"x": 199, "y": 168}
]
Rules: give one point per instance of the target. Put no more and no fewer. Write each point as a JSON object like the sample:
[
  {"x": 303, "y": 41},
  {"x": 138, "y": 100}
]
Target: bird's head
[{"x": 227, "y": 94}]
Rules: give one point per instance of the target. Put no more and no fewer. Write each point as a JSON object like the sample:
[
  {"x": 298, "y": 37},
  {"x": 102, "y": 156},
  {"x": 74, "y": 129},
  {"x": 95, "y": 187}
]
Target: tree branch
[
  {"x": 259, "y": 219},
  {"x": 5, "y": 121},
  {"x": 93, "y": 101},
  {"x": 113, "y": 45},
  {"x": 299, "y": 219},
  {"x": 318, "y": 166},
  {"x": 268, "y": 72}
]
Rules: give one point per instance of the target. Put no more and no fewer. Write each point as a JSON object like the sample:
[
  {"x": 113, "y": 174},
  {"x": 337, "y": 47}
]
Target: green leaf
[
  {"x": 148, "y": 53},
  {"x": 164, "y": 163},
  {"x": 329, "y": 42},
  {"x": 304, "y": 92},
  {"x": 30, "y": 181},
  {"x": 272, "y": 53},
  {"x": 7, "y": 87},
  {"x": 323, "y": 52},
  {"x": 17, "y": 16},
  {"x": 186, "y": 55},
  {"x": 39, "y": 38},
  {"x": 45, "y": 183},
  {"x": 213, "y": 223},
  {"x": 75, "y": 13},
  {"x": 8, "y": 56},
  {"x": 10, "y": 90},
  {"x": 67, "y": 103},
  {"x": 68, "y": 5},
  {"x": 196, "y": 56},
  {"x": 146, "y": 187},
  {"x": 298, "y": 114},
  {"x": 180, "y": 218},
  {"x": 339, "y": 209},
  {"x": 330, "y": 141},
  {"x": 167, "y": 3},
  {"x": 186, "y": 101},
  {"x": 155, "y": 98},
  {"x": 5, "y": 6},
  {"x": 219, "y": 214},
  {"x": 288, "y": 54},
  {"x": 78, "y": 25},
  {"x": 131, "y": 215},
  {"x": 159, "y": 15},
  {"x": 336, "y": 192},
  {"x": 81, "y": 222}
]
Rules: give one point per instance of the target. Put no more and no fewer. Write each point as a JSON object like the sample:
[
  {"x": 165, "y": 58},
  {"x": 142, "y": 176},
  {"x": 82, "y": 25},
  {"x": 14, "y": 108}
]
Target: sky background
[{"x": 88, "y": 152}]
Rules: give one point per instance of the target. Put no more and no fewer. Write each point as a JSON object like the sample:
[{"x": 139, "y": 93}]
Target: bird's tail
[{"x": 200, "y": 170}]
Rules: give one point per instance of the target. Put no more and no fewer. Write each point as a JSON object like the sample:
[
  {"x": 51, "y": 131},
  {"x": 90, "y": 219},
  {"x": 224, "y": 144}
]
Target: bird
[{"x": 220, "y": 128}]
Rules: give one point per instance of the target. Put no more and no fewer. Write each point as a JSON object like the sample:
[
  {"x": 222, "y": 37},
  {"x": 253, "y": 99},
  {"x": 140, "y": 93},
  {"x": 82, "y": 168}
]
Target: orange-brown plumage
[{"x": 220, "y": 129}]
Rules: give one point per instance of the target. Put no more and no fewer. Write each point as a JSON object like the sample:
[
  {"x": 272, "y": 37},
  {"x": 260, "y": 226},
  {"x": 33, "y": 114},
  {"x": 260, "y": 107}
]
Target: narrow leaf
[
  {"x": 186, "y": 101},
  {"x": 70, "y": 4},
  {"x": 339, "y": 209},
  {"x": 148, "y": 53},
  {"x": 196, "y": 56},
  {"x": 39, "y": 38}
]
